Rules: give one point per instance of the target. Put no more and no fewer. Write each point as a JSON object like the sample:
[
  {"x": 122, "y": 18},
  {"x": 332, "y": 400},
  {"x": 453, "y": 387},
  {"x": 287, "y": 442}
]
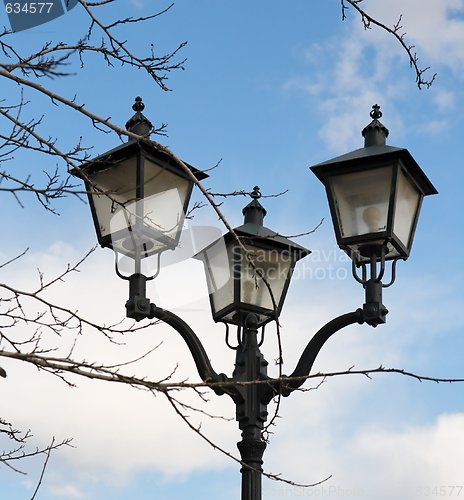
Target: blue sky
[{"x": 270, "y": 88}]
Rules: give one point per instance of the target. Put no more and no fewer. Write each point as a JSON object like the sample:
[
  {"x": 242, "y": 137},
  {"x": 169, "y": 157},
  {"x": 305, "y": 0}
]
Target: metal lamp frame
[
  {"x": 140, "y": 151},
  {"x": 242, "y": 308},
  {"x": 399, "y": 160},
  {"x": 249, "y": 387}
]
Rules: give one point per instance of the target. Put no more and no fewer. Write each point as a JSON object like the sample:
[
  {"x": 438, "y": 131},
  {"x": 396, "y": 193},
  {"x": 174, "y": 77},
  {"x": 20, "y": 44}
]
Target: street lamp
[
  {"x": 249, "y": 270},
  {"x": 138, "y": 196},
  {"x": 374, "y": 193}
]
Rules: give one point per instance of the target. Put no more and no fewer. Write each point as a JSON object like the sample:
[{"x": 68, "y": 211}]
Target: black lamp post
[{"x": 139, "y": 196}]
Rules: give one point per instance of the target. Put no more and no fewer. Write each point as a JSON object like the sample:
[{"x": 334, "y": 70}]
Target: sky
[{"x": 269, "y": 88}]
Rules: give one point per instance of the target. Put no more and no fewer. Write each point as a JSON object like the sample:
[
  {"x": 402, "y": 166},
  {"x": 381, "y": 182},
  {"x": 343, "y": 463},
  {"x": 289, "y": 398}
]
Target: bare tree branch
[
  {"x": 398, "y": 34},
  {"x": 55, "y": 60}
]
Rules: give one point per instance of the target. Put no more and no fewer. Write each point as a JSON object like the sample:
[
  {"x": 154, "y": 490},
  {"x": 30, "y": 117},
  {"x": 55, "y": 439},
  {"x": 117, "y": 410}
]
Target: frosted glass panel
[
  {"x": 118, "y": 182},
  {"x": 361, "y": 201},
  {"x": 271, "y": 265},
  {"x": 219, "y": 274},
  {"x": 407, "y": 204},
  {"x": 165, "y": 195},
  {"x": 148, "y": 225}
]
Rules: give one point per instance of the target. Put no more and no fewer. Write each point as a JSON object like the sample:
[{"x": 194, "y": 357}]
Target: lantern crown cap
[
  {"x": 254, "y": 230},
  {"x": 375, "y": 134},
  {"x": 254, "y": 212},
  {"x": 139, "y": 124}
]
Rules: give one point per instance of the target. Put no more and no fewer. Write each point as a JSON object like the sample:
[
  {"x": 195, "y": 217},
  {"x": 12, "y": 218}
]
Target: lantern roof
[
  {"x": 137, "y": 124},
  {"x": 254, "y": 229},
  {"x": 133, "y": 148},
  {"x": 374, "y": 153},
  {"x": 257, "y": 233},
  {"x": 366, "y": 152}
]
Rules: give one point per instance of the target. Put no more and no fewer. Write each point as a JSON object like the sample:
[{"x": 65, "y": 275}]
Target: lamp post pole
[
  {"x": 250, "y": 387},
  {"x": 374, "y": 193},
  {"x": 251, "y": 413}
]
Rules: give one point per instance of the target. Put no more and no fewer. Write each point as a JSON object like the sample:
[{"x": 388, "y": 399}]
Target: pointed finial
[
  {"x": 375, "y": 134},
  {"x": 138, "y": 104},
  {"x": 256, "y": 193},
  {"x": 376, "y": 113},
  {"x": 139, "y": 124},
  {"x": 254, "y": 212}
]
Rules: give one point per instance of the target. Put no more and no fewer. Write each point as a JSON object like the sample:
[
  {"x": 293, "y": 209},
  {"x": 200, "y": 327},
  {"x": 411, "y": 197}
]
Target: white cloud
[
  {"x": 427, "y": 458},
  {"x": 65, "y": 491},
  {"x": 445, "y": 100},
  {"x": 118, "y": 431},
  {"x": 347, "y": 86},
  {"x": 139, "y": 4},
  {"x": 363, "y": 67},
  {"x": 373, "y": 462},
  {"x": 116, "y": 428},
  {"x": 435, "y": 27}
]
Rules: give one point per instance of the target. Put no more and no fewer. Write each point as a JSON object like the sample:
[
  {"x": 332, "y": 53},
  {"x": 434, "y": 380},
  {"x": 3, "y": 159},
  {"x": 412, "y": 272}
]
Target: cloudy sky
[{"x": 270, "y": 88}]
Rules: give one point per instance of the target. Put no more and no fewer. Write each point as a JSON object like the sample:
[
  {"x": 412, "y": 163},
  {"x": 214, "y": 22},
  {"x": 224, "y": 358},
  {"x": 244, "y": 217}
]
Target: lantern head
[
  {"x": 251, "y": 275},
  {"x": 375, "y": 195},
  {"x": 138, "y": 193}
]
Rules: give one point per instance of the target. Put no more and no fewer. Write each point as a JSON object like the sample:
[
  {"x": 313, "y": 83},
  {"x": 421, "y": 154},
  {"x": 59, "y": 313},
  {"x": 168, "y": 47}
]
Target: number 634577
[{"x": 29, "y": 8}]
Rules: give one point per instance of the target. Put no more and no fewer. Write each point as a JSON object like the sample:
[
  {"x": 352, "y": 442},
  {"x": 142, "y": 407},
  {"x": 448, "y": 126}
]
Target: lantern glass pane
[
  {"x": 165, "y": 194},
  {"x": 218, "y": 263},
  {"x": 361, "y": 201},
  {"x": 271, "y": 267},
  {"x": 118, "y": 181},
  {"x": 148, "y": 225},
  {"x": 407, "y": 205}
]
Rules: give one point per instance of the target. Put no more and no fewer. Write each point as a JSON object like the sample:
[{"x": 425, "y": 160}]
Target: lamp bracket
[
  {"x": 371, "y": 279},
  {"x": 240, "y": 336},
  {"x": 138, "y": 306},
  {"x": 137, "y": 265},
  {"x": 228, "y": 344},
  {"x": 373, "y": 252},
  {"x": 219, "y": 382},
  {"x": 393, "y": 273},
  {"x": 286, "y": 385},
  {"x": 250, "y": 387},
  {"x": 374, "y": 312},
  {"x": 250, "y": 366}
]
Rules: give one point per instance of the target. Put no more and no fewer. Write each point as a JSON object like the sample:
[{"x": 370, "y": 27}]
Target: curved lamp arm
[
  {"x": 204, "y": 368},
  {"x": 303, "y": 368}
]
